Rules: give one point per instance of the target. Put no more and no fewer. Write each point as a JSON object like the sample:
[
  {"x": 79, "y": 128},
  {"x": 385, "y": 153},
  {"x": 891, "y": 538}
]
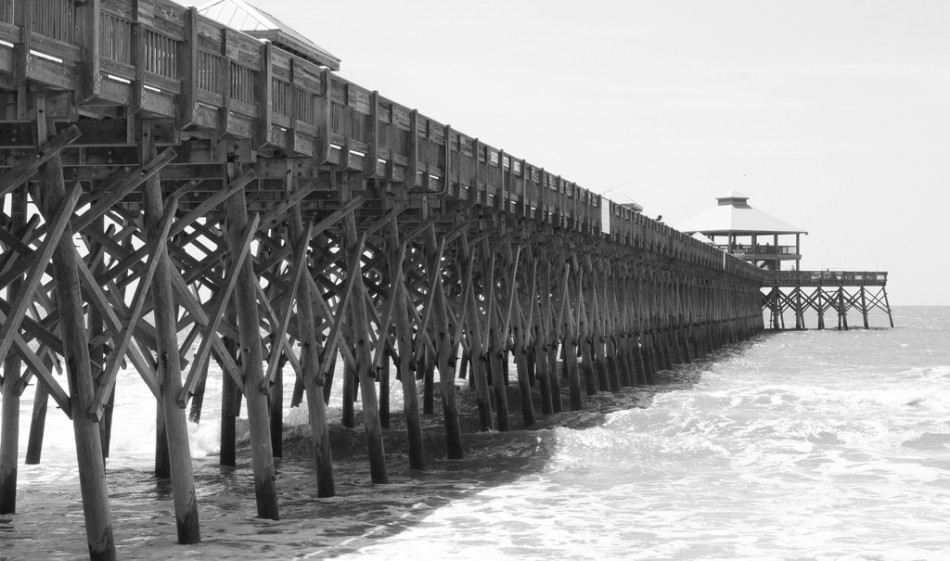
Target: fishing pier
[{"x": 176, "y": 192}]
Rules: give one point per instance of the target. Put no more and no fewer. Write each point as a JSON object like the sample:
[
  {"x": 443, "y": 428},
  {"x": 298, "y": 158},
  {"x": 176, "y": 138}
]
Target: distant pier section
[{"x": 747, "y": 233}]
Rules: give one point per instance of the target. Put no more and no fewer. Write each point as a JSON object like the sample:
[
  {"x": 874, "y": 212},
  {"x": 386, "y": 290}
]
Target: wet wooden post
[
  {"x": 864, "y": 308},
  {"x": 275, "y": 406},
  {"x": 309, "y": 354},
  {"x": 34, "y": 447},
  {"x": 473, "y": 332},
  {"x": 12, "y": 376},
  {"x": 169, "y": 367},
  {"x": 92, "y": 480},
  {"x": 842, "y": 311},
  {"x": 348, "y": 393},
  {"x": 497, "y": 344},
  {"x": 519, "y": 346},
  {"x": 404, "y": 352},
  {"x": 252, "y": 358},
  {"x": 799, "y": 309},
  {"x": 887, "y": 306},
  {"x": 95, "y": 325},
  {"x": 584, "y": 344},
  {"x": 552, "y": 334},
  {"x": 570, "y": 342},
  {"x": 230, "y": 395},
  {"x": 603, "y": 328},
  {"x": 359, "y": 322},
  {"x": 445, "y": 344}
]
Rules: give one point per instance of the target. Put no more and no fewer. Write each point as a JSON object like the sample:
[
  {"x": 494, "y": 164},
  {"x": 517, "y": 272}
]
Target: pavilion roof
[
  {"x": 254, "y": 21},
  {"x": 733, "y": 215}
]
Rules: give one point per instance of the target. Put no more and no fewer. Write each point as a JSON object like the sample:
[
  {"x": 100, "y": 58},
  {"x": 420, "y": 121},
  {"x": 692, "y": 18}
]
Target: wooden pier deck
[{"x": 175, "y": 191}]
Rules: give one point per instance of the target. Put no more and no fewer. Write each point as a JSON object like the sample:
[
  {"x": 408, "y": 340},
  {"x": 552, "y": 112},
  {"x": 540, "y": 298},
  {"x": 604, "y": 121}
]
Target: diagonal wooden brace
[
  {"x": 353, "y": 273},
  {"x": 157, "y": 252},
  {"x": 37, "y": 269},
  {"x": 36, "y": 364},
  {"x": 25, "y": 169},
  {"x": 296, "y": 274},
  {"x": 210, "y": 332},
  {"x": 394, "y": 297}
]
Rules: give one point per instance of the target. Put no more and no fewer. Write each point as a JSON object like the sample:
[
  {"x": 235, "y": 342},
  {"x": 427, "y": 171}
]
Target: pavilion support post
[
  {"x": 82, "y": 391},
  {"x": 252, "y": 359},
  {"x": 799, "y": 309},
  {"x": 864, "y": 307},
  {"x": 12, "y": 373},
  {"x": 887, "y": 305},
  {"x": 359, "y": 322},
  {"x": 169, "y": 366}
]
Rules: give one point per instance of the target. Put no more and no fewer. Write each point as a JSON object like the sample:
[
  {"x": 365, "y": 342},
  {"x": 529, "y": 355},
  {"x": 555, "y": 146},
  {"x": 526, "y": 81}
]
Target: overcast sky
[{"x": 833, "y": 116}]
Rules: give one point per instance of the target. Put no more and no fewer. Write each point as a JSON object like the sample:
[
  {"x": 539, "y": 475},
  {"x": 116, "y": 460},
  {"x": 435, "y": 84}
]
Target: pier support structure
[{"x": 183, "y": 193}]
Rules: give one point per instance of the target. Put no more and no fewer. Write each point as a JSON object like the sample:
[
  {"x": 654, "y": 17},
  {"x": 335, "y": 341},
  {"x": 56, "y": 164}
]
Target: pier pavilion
[
  {"x": 740, "y": 230},
  {"x": 176, "y": 191}
]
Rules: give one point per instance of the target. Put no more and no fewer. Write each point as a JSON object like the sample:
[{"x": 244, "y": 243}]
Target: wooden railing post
[
  {"x": 188, "y": 70},
  {"x": 89, "y": 24}
]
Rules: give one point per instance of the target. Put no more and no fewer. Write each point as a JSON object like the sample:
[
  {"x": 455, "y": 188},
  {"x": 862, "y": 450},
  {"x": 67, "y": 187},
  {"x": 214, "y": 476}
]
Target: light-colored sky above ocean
[{"x": 832, "y": 115}]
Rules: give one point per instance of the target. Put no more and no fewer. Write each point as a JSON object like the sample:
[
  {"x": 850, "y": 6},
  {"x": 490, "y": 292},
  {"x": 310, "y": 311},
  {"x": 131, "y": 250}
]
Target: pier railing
[{"x": 829, "y": 278}]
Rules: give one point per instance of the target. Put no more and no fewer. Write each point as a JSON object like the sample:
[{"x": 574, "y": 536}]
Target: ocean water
[{"x": 812, "y": 445}]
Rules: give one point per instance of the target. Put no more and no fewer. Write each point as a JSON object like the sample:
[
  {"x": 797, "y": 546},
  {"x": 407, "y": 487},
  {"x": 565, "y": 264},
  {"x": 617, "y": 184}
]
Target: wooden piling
[
  {"x": 11, "y": 382},
  {"x": 169, "y": 367},
  {"x": 252, "y": 358},
  {"x": 359, "y": 324},
  {"x": 95, "y": 497},
  {"x": 313, "y": 377},
  {"x": 404, "y": 351}
]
